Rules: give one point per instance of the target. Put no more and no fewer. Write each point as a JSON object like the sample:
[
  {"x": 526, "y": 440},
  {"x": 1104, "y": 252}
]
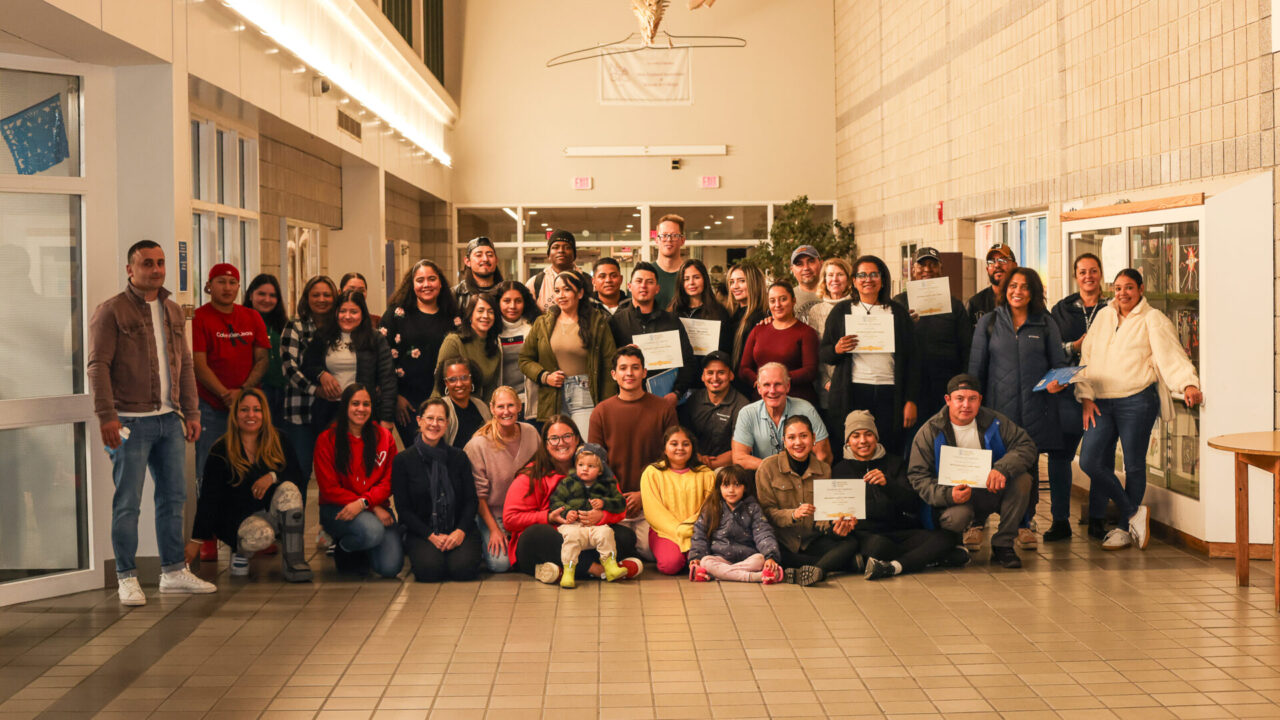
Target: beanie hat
[
  {"x": 606, "y": 473},
  {"x": 562, "y": 236},
  {"x": 860, "y": 420}
]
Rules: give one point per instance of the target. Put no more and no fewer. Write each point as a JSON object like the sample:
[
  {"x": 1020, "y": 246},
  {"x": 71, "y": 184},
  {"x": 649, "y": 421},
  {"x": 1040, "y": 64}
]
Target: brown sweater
[{"x": 632, "y": 433}]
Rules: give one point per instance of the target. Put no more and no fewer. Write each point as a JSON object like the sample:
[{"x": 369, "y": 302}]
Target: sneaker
[
  {"x": 804, "y": 576},
  {"x": 1058, "y": 531},
  {"x": 974, "y": 536},
  {"x": 209, "y": 551},
  {"x": 697, "y": 573},
  {"x": 771, "y": 577},
  {"x": 239, "y": 565},
  {"x": 547, "y": 572},
  {"x": 877, "y": 569},
  {"x": 130, "y": 592},
  {"x": 184, "y": 581},
  {"x": 1005, "y": 557},
  {"x": 958, "y": 556},
  {"x": 1026, "y": 539},
  {"x": 1140, "y": 527},
  {"x": 323, "y": 540},
  {"x": 1117, "y": 539},
  {"x": 633, "y": 565}
]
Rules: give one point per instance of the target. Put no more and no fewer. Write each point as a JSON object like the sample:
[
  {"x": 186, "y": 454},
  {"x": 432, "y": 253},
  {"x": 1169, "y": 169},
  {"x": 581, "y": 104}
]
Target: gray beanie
[{"x": 859, "y": 420}]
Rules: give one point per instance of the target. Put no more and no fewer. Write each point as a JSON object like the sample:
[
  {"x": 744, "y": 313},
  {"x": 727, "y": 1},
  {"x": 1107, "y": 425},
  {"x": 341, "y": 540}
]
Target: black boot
[
  {"x": 1059, "y": 530},
  {"x": 1097, "y": 528},
  {"x": 293, "y": 559}
]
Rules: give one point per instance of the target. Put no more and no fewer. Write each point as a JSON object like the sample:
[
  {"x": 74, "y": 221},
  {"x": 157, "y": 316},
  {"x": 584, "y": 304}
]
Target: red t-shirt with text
[{"x": 228, "y": 340}]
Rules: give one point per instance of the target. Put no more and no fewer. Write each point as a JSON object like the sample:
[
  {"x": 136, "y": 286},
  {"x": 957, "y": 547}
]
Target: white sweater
[{"x": 1122, "y": 358}]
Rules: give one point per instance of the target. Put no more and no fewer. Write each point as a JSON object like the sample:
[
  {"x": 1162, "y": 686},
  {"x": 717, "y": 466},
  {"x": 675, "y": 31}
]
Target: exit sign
[
  {"x": 582, "y": 183},
  {"x": 709, "y": 182}
]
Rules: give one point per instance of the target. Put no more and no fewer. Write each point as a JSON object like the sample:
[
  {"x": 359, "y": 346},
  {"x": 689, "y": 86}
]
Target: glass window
[
  {"x": 40, "y": 124},
  {"x": 701, "y": 222},
  {"x": 240, "y": 155},
  {"x": 599, "y": 231},
  {"x": 43, "y": 518},
  {"x": 493, "y": 223},
  {"x": 221, "y": 165},
  {"x": 1108, "y": 244},
  {"x": 41, "y": 348},
  {"x": 195, "y": 159}
]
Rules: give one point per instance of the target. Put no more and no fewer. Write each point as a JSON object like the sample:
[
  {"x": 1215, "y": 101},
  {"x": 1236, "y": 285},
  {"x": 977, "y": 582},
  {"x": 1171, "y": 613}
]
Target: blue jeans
[
  {"x": 303, "y": 440},
  {"x": 1128, "y": 420},
  {"x": 1060, "y": 478},
  {"x": 495, "y": 563},
  {"x": 365, "y": 532},
  {"x": 213, "y": 425},
  {"x": 577, "y": 400},
  {"x": 157, "y": 443}
]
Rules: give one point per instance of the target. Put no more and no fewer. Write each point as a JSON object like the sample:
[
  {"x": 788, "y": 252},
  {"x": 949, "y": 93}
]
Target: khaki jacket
[
  {"x": 123, "y": 373},
  {"x": 780, "y": 491},
  {"x": 537, "y": 359}
]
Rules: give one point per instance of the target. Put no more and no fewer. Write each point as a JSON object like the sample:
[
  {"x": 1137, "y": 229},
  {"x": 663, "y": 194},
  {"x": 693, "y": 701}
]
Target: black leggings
[
  {"x": 431, "y": 565},
  {"x": 541, "y": 543},
  {"x": 914, "y": 549},
  {"x": 832, "y": 553}
]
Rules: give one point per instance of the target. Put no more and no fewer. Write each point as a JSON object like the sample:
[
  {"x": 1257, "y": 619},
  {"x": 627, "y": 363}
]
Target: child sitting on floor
[
  {"x": 591, "y": 486},
  {"x": 732, "y": 539}
]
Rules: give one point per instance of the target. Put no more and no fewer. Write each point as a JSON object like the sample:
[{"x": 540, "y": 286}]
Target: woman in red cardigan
[
  {"x": 526, "y": 514},
  {"x": 353, "y": 470},
  {"x": 784, "y": 339}
]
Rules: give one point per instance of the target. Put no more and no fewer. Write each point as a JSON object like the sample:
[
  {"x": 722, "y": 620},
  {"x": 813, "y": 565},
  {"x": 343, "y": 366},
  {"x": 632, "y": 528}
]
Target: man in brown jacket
[{"x": 144, "y": 394}]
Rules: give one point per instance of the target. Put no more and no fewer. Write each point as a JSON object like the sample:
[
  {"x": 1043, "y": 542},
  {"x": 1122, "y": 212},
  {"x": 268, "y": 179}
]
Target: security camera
[{"x": 320, "y": 86}]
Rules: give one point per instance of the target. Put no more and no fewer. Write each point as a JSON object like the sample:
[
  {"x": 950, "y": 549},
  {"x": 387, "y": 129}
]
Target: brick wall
[{"x": 297, "y": 185}]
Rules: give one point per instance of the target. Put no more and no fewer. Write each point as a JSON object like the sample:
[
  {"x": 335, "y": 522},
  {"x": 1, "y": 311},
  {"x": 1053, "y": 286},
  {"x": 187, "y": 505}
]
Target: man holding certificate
[
  {"x": 889, "y": 529},
  {"x": 972, "y": 461},
  {"x": 649, "y": 327}
]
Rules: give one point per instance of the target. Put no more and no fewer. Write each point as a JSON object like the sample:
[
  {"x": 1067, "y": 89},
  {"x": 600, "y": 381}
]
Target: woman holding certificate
[
  {"x": 837, "y": 283},
  {"x": 1130, "y": 351},
  {"x": 875, "y": 367},
  {"x": 1012, "y": 349},
  {"x": 696, "y": 300},
  {"x": 786, "y": 340},
  {"x": 746, "y": 296},
  {"x": 567, "y": 353}
]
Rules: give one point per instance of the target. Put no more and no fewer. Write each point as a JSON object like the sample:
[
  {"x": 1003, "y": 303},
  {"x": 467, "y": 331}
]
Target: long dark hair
[
  {"x": 467, "y": 333},
  {"x": 361, "y": 337},
  {"x": 885, "y": 294},
  {"x": 1036, "y": 306},
  {"x": 303, "y": 311},
  {"x": 727, "y": 475},
  {"x": 341, "y": 443},
  {"x": 404, "y": 296},
  {"x": 694, "y": 464},
  {"x": 530, "y": 303},
  {"x": 348, "y": 277},
  {"x": 277, "y": 318},
  {"x": 586, "y": 312},
  {"x": 680, "y": 303},
  {"x": 542, "y": 465}
]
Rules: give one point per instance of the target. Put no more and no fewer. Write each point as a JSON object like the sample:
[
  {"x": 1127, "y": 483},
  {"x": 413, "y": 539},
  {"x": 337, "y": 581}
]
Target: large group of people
[{"x": 585, "y": 423}]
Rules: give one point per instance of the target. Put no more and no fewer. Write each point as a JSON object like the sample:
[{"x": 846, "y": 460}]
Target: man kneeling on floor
[
  {"x": 891, "y": 536},
  {"x": 965, "y": 423}
]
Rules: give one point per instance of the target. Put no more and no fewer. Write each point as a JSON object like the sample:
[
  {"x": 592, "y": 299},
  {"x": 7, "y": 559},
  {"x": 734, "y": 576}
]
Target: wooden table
[{"x": 1261, "y": 450}]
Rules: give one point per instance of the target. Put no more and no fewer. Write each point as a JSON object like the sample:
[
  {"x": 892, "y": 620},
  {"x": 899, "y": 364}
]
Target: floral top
[{"x": 415, "y": 338}]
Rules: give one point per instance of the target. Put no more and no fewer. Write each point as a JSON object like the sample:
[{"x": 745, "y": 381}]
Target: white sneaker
[
  {"x": 183, "y": 581},
  {"x": 1140, "y": 527},
  {"x": 1117, "y": 539},
  {"x": 239, "y": 565},
  {"x": 130, "y": 592},
  {"x": 547, "y": 572}
]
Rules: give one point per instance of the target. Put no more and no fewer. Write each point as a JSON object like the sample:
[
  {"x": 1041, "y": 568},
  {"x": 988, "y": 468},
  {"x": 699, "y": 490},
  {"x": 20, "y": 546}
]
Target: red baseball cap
[{"x": 223, "y": 269}]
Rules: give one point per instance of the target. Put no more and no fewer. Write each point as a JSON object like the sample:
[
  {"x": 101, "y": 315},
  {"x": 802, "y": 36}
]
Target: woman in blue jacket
[{"x": 1013, "y": 348}]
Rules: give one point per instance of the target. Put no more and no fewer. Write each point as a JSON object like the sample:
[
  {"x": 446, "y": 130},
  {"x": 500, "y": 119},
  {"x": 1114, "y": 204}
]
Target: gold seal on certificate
[
  {"x": 661, "y": 349},
  {"x": 704, "y": 335},
  {"x": 931, "y": 296},
  {"x": 964, "y": 466},
  {"x": 839, "y": 497},
  {"x": 874, "y": 331}
]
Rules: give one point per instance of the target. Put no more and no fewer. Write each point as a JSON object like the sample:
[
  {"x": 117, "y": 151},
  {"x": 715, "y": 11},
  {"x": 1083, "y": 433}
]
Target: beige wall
[{"x": 771, "y": 102}]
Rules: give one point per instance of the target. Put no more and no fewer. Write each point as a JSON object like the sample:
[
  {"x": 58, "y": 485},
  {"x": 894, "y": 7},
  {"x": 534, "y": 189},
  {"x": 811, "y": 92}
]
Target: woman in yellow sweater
[{"x": 673, "y": 491}]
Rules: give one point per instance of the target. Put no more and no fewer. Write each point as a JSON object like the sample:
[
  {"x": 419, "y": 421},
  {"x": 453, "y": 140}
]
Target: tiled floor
[{"x": 1078, "y": 633}]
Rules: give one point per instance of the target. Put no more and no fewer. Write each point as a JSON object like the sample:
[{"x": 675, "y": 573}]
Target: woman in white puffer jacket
[{"x": 1131, "y": 349}]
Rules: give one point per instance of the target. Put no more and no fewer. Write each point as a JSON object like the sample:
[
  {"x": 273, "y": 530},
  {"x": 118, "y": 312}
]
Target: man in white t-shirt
[
  {"x": 964, "y": 423},
  {"x": 144, "y": 394}
]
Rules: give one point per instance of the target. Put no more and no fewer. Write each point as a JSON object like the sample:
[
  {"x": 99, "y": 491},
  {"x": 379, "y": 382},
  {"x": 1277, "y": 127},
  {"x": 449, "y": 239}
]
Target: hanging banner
[{"x": 650, "y": 76}]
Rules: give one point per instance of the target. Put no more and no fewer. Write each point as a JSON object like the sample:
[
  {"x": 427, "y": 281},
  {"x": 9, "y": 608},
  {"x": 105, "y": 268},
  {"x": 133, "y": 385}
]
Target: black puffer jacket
[
  {"x": 1009, "y": 363},
  {"x": 892, "y": 506},
  {"x": 374, "y": 369}
]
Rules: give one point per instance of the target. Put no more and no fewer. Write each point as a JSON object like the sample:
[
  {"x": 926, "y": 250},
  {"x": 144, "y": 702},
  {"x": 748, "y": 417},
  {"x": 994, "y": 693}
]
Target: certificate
[
  {"x": 661, "y": 349},
  {"x": 964, "y": 466},
  {"x": 874, "y": 331},
  {"x": 704, "y": 335},
  {"x": 929, "y": 297},
  {"x": 840, "y": 497}
]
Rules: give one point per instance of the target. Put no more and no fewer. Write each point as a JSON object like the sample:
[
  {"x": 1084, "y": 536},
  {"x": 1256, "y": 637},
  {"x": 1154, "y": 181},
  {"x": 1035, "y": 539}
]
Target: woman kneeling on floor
[
  {"x": 435, "y": 495},
  {"x": 250, "y": 494}
]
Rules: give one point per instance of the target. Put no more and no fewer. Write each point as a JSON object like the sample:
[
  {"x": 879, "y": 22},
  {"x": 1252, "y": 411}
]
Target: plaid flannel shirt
[{"x": 299, "y": 391}]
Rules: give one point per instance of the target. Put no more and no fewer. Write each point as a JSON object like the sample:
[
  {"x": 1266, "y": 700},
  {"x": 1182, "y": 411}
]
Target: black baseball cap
[
  {"x": 927, "y": 253},
  {"x": 718, "y": 356},
  {"x": 476, "y": 242},
  {"x": 964, "y": 381}
]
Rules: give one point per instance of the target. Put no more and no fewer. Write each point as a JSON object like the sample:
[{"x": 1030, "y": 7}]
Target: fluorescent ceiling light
[
  {"x": 644, "y": 150},
  {"x": 533, "y": 212},
  {"x": 512, "y": 213}
]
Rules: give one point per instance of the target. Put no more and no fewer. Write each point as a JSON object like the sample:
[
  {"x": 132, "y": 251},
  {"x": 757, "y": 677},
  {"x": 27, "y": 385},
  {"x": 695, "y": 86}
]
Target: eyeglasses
[
  {"x": 670, "y": 236},
  {"x": 866, "y": 276},
  {"x": 458, "y": 379},
  {"x": 999, "y": 261},
  {"x": 560, "y": 439}
]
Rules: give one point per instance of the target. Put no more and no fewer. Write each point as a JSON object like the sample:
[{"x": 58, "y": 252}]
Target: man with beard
[
  {"x": 481, "y": 273},
  {"x": 1000, "y": 260}
]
